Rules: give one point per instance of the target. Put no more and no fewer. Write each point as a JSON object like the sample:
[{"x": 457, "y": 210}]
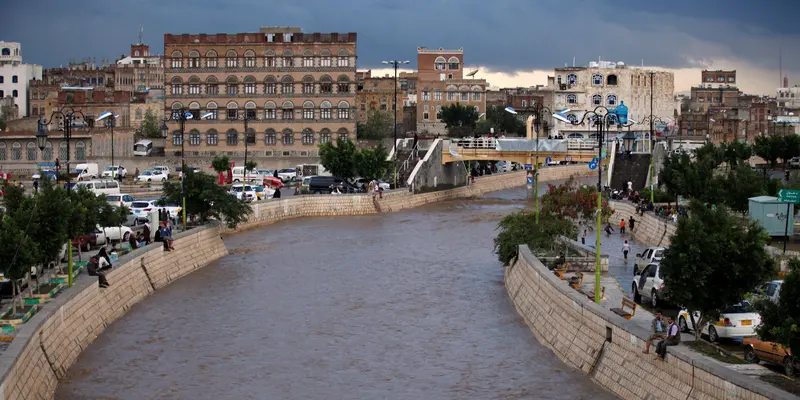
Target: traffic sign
[
  {"x": 530, "y": 180},
  {"x": 789, "y": 195},
  {"x": 528, "y": 167},
  {"x": 592, "y": 165},
  {"x": 548, "y": 160},
  {"x": 594, "y": 160}
]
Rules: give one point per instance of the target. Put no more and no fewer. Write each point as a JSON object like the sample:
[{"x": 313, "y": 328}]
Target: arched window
[
  {"x": 176, "y": 59},
  {"x": 177, "y": 85},
  {"x": 287, "y": 110},
  {"x": 288, "y": 137},
  {"x": 325, "y": 110},
  {"x": 452, "y": 93},
  {"x": 231, "y": 59},
  {"x": 308, "y": 136},
  {"x": 177, "y": 138},
  {"x": 270, "y": 137},
  {"x": 250, "y": 110},
  {"x": 308, "y": 84},
  {"x": 440, "y": 63},
  {"x": 249, "y": 85},
  {"x": 308, "y": 58},
  {"x": 232, "y": 137},
  {"x": 232, "y": 85},
  {"x": 138, "y": 114},
  {"x": 194, "y": 59},
  {"x": 325, "y": 58},
  {"x": 212, "y": 137},
  {"x": 324, "y": 136},
  {"x": 476, "y": 93},
  {"x": 47, "y": 153},
  {"x": 80, "y": 151},
  {"x": 211, "y": 59},
  {"x": 62, "y": 150},
  {"x": 270, "y": 85},
  {"x": 597, "y": 80},
  {"x": 597, "y": 99},
  {"x": 249, "y": 59},
  {"x": 15, "y": 93},
  {"x": 572, "y": 79},
  {"x": 343, "y": 84},
  {"x": 269, "y": 59},
  {"x": 344, "y": 58},
  {"x": 344, "y": 110},
  {"x": 453, "y": 63},
  {"x": 30, "y": 151},
  {"x": 194, "y": 109},
  {"x": 212, "y": 86},
  {"x": 211, "y": 107},
  {"x": 3, "y": 155},
  {"x": 287, "y": 85},
  {"x": 6, "y": 51},
  {"x": 342, "y": 133},
  {"x": 325, "y": 84},
  {"x": 194, "y": 137},
  {"x": 287, "y": 60},
  {"x": 611, "y": 80},
  {"x": 308, "y": 109},
  {"x": 250, "y": 136},
  {"x": 233, "y": 110},
  {"x": 611, "y": 100},
  {"x": 269, "y": 110},
  {"x": 16, "y": 151},
  {"x": 464, "y": 89},
  {"x": 572, "y": 98},
  {"x": 572, "y": 118}
]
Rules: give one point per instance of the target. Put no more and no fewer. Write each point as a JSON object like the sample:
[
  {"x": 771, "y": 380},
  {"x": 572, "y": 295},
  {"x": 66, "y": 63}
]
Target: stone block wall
[
  {"x": 50, "y": 342},
  {"x": 649, "y": 229},
  {"x": 609, "y": 349}
]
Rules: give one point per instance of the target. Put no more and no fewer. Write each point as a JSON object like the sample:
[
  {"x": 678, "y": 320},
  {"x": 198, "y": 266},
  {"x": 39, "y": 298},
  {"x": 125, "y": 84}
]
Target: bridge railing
[
  {"x": 581, "y": 144},
  {"x": 475, "y": 143}
]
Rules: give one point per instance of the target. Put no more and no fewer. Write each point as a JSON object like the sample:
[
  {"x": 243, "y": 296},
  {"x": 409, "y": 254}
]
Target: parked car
[
  {"x": 114, "y": 170},
  {"x": 122, "y": 199},
  {"x": 739, "y": 320},
  {"x": 87, "y": 171},
  {"x": 287, "y": 174},
  {"x": 162, "y": 168},
  {"x": 243, "y": 192},
  {"x": 154, "y": 175},
  {"x": 143, "y": 208},
  {"x": 85, "y": 242},
  {"x": 650, "y": 255},
  {"x": 263, "y": 192},
  {"x": 757, "y": 350},
  {"x": 106, "y": 187},
  {"x": 771, "y": 290},
  {"x": 648, "y": 283},
  {"x": 46, "y": 173},
  {"x": 362, "y": 184},
  {"x": 110, "y": 234},
  {"x": 794, "y": 162}
]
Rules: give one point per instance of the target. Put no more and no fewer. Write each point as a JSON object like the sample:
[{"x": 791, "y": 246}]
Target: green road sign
[{"x": 789, "y": 195}]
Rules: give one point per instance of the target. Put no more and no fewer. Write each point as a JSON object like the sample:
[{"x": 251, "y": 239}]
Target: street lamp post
[
  {"x": 181, "y": 116},
  {"x": 535, "y": 120},
  {"x": 602, "y": 116},
  {"x": 110, "y": 120},
  {"x": 246, "y": 118},
  {"x": 395, "y": 64},
  {"x": 68, "y": 116}
]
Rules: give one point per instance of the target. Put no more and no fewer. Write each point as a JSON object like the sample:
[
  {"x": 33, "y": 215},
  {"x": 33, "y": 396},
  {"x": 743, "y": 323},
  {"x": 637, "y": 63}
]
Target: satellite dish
[{"x": 472, "y": 73}]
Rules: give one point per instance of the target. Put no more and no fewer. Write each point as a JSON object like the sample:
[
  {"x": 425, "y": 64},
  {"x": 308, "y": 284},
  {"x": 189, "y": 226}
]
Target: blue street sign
[
  {"x": 592, "y": 165},
  {"x": 530, "y": 180},
  {"x": 528, "y": 167},
  {"x": 548, "y": 160},
  {"x": 594, "y": 160}
]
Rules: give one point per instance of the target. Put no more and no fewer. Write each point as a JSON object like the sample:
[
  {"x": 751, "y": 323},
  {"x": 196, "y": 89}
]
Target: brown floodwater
[{"x": 408, "y": 305}]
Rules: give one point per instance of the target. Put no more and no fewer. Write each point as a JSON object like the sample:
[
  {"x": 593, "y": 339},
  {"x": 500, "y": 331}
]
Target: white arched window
[
  {"x": 572, "y": 79},
  {"x": 611, "y": 100},
  {"x": 80, "y": 151},
  {"x": 344, "y": 110},
  {"x": 270, "y": 137},
  {"x": 440, "y": 63},
  {"x": 572, "y": 98},
  {"x": 211, "y": 107},
  {"x": 287, "y": 110},
  {"x": 308, "y": 136},
  {"x": 47, "y": 153},
  {"x": 233, "y": 110},
  {"x": 212, "y": 137},
  {"x": 211, "y": 59},
  {"x": 325, "y": 110},
  {"x": 232, "y": 137},
  {"x": 344, "y": 58},
  {"x": 308, "y": 109},
  {"x": 324, "y": 136},
  {"x": 453, "y": 63},
  {"x": 597, "y": 80},
  {"x": 288, "y": 137},
  {"x": 270, "y": 110},
  {"x": 250, "y": 110}
]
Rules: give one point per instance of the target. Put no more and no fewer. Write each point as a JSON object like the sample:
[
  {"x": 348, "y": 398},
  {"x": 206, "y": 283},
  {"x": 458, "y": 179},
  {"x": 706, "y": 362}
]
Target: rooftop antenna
[
  {"x": 573, "y": 62},
  {"x": 140, "y": 34},
  {"x": 780, "y": 67},
  {"x": 472, "y": 73},
  {"x": 643, "y": 63}
]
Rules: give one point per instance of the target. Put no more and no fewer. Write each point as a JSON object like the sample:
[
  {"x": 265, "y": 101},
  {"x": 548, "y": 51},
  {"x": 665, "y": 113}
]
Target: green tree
[
  {"x": 789, "y": 147},
  {"x": 521, "y": 228},
  {"x": 151, "y": 126},
  {"x": 49, "y": 229},
  {"x": 736, "y": 153},
  {"x": 503, "y": 121},
  {"x": 575, "y": 202},
  {"x": 740, "y": 184},
  {"x": 221, "y": 164},
  {"x": 340, "y": 160},
  {"x": 18, "y": 250},
  {"x": 713, "y": 261},
  {"x": 378, "y": 126},
  {"x": 459, "y": 119},
  {"x": 768, "y": 148},
  {"x": 251, "y": 165},
  {"x": 205, "y": 199},
  {"x": 373, "y": 163},
  {"x": 780, "y": 322}
]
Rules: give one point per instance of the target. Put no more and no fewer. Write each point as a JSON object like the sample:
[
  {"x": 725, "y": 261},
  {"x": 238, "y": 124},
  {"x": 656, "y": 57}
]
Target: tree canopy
[
  {"x": 714, "y": 260},
  {"x": 502, "y": 121},
  {"x": 780, "y": 321},
  {"x": 574, "y": 201},
  {"x": 373, "y": 163},
  {"x": 151, "y": 126},
  {"x": 205, "y": 199},
  {"x": 459, "y": 119},
  {"x": 340, "y": 159},
  {"x": 221, "y": 164},
  {"x": 378, "y": 126}
]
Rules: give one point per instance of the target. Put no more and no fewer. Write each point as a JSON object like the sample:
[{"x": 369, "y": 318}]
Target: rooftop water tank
[{"x": 593, "y": 64}]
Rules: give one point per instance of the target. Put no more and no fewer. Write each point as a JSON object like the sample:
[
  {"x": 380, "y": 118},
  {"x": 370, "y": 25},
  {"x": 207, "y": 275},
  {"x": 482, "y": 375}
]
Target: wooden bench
[
  {"x": 575, "y": 284},
  {"x": 561, "y": 271},
  {"x": 626, "y": 302}
]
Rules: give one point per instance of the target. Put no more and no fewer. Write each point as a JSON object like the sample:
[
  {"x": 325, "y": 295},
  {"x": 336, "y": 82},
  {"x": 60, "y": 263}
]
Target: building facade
[
  {"x": 139, "y": 71},
  {"x": 19, "y": 150},
  {"x": 297, "y": 90},
  {"x": 789, "y": 98},
  {"x": 15, "y": 77},
  {"x": 609, "y": 84},
  {"x": 440, "y": 83},
  {"x": 377, "y": 94}
]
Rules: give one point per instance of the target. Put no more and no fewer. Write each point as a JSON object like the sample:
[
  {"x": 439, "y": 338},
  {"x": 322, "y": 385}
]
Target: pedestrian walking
[
  {"x": 631, "y": 222},
  {"x": 583, "y": 237},
  {"x": 622, "y": 226},
  {"x": 36, "y": 186},
  {"x": 609, "y": 229},
  {"x": 625, "y": 249}
]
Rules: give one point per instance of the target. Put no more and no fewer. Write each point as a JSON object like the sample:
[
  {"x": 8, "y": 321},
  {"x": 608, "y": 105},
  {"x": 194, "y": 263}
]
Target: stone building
[
  {"x": 377, "y": 93},
  {"x": 789, "y": 98},
  {"x": 440, "y": 82},
  {"x": 15, "y": 76},
  {"x": 297, "y": 90},
  {"x": 140, "y": 71},
  {"x": 19, "y": 149},
  {"x": 408, "y": 84},
  {"x": 608, "y": 84}
]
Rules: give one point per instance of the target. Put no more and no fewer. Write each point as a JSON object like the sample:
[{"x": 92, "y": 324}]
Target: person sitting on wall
[
  {"x": 93, "y": 268},
  {"x": 673, "y": 339},
  {"x": 659, "y": 331}
]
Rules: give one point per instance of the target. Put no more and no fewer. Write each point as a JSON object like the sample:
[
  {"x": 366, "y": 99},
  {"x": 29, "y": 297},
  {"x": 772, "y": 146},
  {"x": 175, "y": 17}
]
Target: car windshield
[
  {"x": 140, "y": 204},
  {"x": 248, "y": 188},
  {"x": 659, "y": 254},
  {"x": 259, "y": 189},
  {"x": 112, "y": 198},
  {"x": 237, "y": 188},
  {"x": 743, "y": 307},
  {"x": 770, "y": 289},
  {"x": 147, "y": 173}
]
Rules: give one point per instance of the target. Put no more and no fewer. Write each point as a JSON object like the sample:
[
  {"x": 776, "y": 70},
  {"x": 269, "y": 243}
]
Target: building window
[
  {"x": 232, "y": 90},
  {"x": 211, "y": 62},
  {"x": 194, "y": 62},
  {"x": 288, "y": 137},
  {"x": 731, "y": 79},
  {"x": 308, "y": 110},
  {"x": 287, "y": 88},
  {"x": 308, "y": 62},
  {"x": 47, "y": 153},
  {"x": 572, "y": 118},
  {"x": 324, "y": 136},
  {"x": 343, "y": 87},
  {"x": 16, "y": 151},
  {"x": 344, "y": 110},
  {"x": 177, "y": 139},
  {"x": 233, "y": 114},
  {"x": 250, "y": 113},
  {"x": 476, "y": 96},
  {"x": 343, "y": 134},
  {"x": 212, "y": 89},
  {"x": 439, "y": 64},
  {"x": 250, "y": 88},
  {"x": 451, "y": 95},
  {"x": 437, "y": 95},
  {"x": 30, "y": 150},
  {"x": 177, "y": 89},
  {"x": 597, "y": 99},
  {"x": 3, "y": 155},
  {"x": 270, "y": 138},
  {"x": 287, "y": 110},
  {"x": 324, "y": 61},
  {"x": 287, "y": 61},
  {"x": 15, "y": 93},
  {"x": 597, "y": 80},
  {"x": 425, "y": 115},
  {"x": 2, "y": 79},
  {"x": 325, "y": 110},
  {"x": 269, "y": 111},
  {"x": 325, "y": 84},
  {"x": 194, "y": 89},
  {"x": 232, "y": 138},
  {"x": 524, "y": 103},
  {"x": 343, "y": 61},
  {"x": 308, "y": 87},
  {"x": 572, "y": 79},
  {"x": 14, "y": 79},
  {"x": 426, "y": 95},
  {"x": 194, "y": 138},
  {"x": 464, "y": 96},
  {"x": 721, "y": 79},
  {"x": 80, "y": 151},
  {"x": 211, "y": 107},
  {"x": 212, "y": 138},
  {"x": 231, "y": 61},
  {"x": 438, "y": 112},
  {"x": 611, "y": 100},
  {"x": 269, "y": 61},
  {"x": 269, "y": 86},
  {"x": 611, "y": 80},
  {"x": 453, "y": 63},
  {"x": 2, "y": 94},
  {"x": 250, "y": 62},
  {"x": 308, "y": 137},
  {"x": 176, "y": 63},
  {"x": 62, "y": 150}
]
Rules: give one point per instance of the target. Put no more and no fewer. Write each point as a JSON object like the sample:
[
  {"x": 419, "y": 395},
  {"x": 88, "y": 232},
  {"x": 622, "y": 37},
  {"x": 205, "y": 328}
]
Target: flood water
[{"x": 408, "y": 305}]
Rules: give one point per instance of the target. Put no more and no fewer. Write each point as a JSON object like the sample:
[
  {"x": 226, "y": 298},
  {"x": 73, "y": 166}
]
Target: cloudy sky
[{"x": 515, "y": 43}]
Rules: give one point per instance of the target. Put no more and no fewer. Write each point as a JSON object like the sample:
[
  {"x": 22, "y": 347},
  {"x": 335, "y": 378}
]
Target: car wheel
[
  {"x": 87, "y": 247},
  {"x": 788, "y": 366},
  {"x": 654, "y": 298},
  {"x": 149, "y": 180},
  {"x": 682, "y": 324},
  {"x": 750, "y": 355},
  {"x": 712, "y": 334},
  {"x": 636, "y": 296}
]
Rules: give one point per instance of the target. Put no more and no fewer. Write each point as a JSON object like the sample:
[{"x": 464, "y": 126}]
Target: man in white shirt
[{"x": 673, "y": 339}]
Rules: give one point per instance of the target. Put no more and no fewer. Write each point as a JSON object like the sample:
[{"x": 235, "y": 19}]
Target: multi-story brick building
[
  {"x": 140, "y": 71},
  {"x": 296, "y": 89},
  {"x": 377, "y": 93},
  {"x": 440, "y": 82},
  {"x": 15, "y": 77}
]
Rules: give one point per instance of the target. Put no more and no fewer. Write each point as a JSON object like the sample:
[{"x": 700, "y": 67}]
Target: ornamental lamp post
[
  {"x": 395, "y": 64},
  {"x": 601, "y": 117},
  {"x": 181, "y": 116},
  {"x": 110, "y": 119},
  {"x": 534, "y": 124}
]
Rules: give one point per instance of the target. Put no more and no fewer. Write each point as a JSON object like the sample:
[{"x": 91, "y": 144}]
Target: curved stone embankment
[
  {"x": 609, "y": 348},
  {"x": 649, "y": 229}
]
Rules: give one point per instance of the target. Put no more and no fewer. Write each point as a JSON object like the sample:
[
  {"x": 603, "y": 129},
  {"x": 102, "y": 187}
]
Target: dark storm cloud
[{"x": 501, "y": 34}]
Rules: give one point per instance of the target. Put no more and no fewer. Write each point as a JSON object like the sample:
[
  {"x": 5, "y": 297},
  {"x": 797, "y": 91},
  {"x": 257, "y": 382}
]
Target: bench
[
  {"x": 626, "y": 302},
  {"x": 576, "y": 283},
  {"x": 561, "y": 271}
]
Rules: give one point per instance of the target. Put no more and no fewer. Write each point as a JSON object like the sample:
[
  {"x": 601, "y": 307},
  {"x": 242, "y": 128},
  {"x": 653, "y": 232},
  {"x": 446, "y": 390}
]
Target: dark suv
[{"x": 324, "y": 184}]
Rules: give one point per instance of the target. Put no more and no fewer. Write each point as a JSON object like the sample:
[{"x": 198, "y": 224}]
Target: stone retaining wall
[
  {"x": 50, "y": 342},
  {"x": 650, "y": 229},
  {"x": 609, "y": 348}
]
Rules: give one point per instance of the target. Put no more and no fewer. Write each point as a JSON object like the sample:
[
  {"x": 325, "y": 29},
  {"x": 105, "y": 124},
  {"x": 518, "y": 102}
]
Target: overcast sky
[{"x": 508, "y": 39}]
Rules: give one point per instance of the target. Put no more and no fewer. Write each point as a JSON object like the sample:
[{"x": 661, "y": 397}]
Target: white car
[
  {"x": 739, "y": 320},
  {"x": 287, "y": 174},
  {"x": 122, "y": 199},
  {"x": 648, "y": 283},
  {"x": 771, "y": 290},
  {"x": 162, "y": 168},
  {"x": 143, "y": 208},
  {"x": 110, "y": 234},
  {"x": 114, "y": 170},
  {"x": 649, "y": 256},
  {"x": 243, "y": 192},
  {"x": 152, "y": 176}
]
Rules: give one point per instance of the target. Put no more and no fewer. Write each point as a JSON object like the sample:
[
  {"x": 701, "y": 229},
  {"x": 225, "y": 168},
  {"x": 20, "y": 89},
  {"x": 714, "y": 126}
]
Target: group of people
[
  {"x": 666, "y": 332},
  {"x": 99, "y": 264}
]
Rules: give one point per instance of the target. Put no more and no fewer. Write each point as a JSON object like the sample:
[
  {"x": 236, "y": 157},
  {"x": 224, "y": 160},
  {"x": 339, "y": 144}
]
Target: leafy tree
[
  {"x": 151, "y": 126},
  {"x": 735, "y": 153},
  {"x": 503, "y": 121},
  {"x": 740, "y": 184},
  {"x": 780, "y": 322},
  {"x": 521, "y": 228},
  {"x": 251, "y": 165},
  {"x": 378, "y": 126},
  {"x": 340, "y": 160},
  {"x": 789, "y": 147},
  {"x": 221, "y": 164},
  {"x": 205, "y": 199},
  {"x": 573, "y": 201},
  {"x": 17, "y": 249},
  {"x": 373, "y": 163},
  {"x": 459, "y": 119},
  {"x": 713, "y": 261},
  {"x": 50, "y": 228},
  {"x": 768, "y": 148}
]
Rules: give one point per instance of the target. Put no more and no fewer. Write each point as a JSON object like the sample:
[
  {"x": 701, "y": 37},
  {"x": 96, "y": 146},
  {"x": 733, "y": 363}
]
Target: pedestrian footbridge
[{"x": 523, "y": 151}]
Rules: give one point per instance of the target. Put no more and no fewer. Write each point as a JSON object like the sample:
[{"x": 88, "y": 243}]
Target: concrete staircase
[{"x": 636, "y": 170}]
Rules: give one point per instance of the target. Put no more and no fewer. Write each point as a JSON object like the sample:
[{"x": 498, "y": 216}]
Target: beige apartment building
[
  {"x": 440, "y": 82},
  {"x": 377, "y": 93},
  {"x": 297, "y": 90}
]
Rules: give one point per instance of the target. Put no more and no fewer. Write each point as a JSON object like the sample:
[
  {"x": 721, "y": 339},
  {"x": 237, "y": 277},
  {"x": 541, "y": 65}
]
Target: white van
[
  {"x": 143, "y": 148},
  {"x": 87, "y": 171},
  {"x": 237, "y": 175},
  {"x": 100, "y": 187}
]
